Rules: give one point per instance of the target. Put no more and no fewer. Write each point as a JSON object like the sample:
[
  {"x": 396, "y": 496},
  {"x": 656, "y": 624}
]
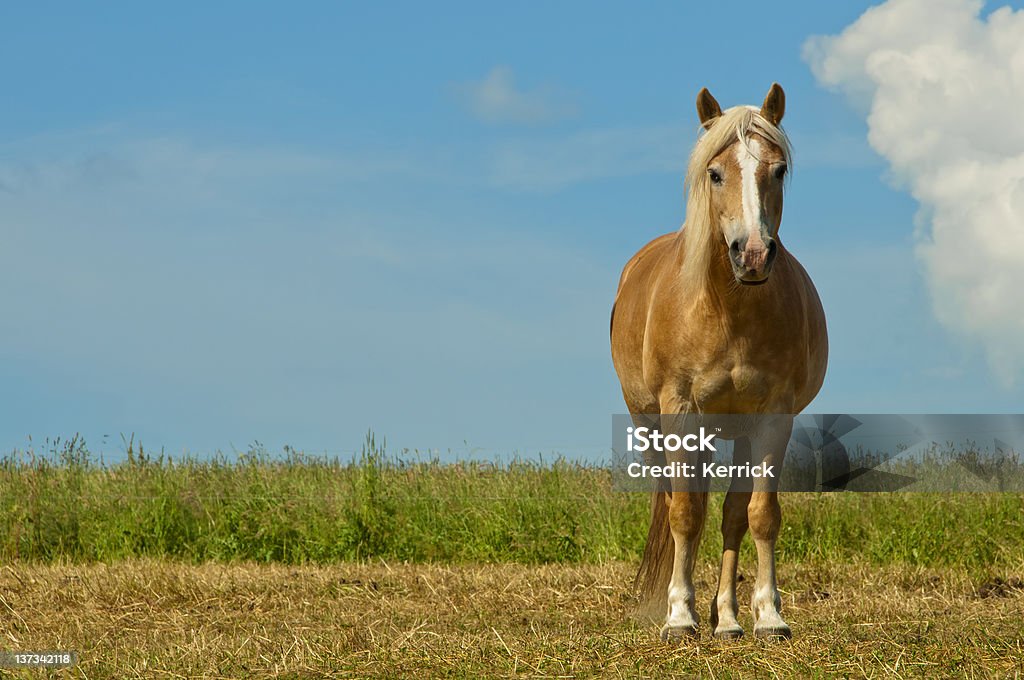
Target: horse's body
[{"x": 719, "y": 318}]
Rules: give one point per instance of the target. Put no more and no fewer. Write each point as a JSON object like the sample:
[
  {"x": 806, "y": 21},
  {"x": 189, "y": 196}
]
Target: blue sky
[{"x": 222, "y": 224}]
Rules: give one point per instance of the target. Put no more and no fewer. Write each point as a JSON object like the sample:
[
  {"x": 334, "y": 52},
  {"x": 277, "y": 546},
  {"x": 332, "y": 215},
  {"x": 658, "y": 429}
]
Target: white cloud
[
  {"x": 943, "y": 89},
  {"x": 497, "y": 99}
]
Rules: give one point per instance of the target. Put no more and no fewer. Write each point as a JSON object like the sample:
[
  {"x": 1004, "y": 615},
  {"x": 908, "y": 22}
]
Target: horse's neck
[
  {"x": 717, "y": 286},
  {"x": 725, "y": 300},
  {"x": 720, "y": 281}
]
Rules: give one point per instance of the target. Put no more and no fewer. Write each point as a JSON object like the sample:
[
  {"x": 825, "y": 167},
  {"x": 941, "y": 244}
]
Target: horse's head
[{"x": 743, "y": 170}]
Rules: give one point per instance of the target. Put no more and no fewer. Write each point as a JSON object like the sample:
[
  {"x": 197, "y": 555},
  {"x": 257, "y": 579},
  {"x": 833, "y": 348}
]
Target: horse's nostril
[{"x": 735, "y": 247}]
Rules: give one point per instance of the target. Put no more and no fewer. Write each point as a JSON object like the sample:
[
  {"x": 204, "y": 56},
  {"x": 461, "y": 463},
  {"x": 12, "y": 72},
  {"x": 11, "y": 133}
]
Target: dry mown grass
[{"x": 162, "y": 619}]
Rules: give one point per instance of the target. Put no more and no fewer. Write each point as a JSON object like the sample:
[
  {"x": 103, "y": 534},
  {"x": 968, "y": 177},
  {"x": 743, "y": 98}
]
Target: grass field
[
  {"x": 154, "y": 618},
  {"x": 370, "y": 567}
]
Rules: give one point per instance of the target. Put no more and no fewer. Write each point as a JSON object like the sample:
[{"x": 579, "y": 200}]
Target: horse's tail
[{"x": 655, "y": 572}]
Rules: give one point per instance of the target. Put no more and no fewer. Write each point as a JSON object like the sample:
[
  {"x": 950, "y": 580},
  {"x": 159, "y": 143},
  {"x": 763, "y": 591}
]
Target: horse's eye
[
  {"x": 716, "y": 177},
  {"x": 780, "y": 171}
]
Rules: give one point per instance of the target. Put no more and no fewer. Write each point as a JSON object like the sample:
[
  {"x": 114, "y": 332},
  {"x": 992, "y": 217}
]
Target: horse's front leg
[
  {"x": 687, "y": 509},
  {"x": 724, "y": 607},
  {"x": 686, "y": 521},
  {"x": 765, "y": 518}
]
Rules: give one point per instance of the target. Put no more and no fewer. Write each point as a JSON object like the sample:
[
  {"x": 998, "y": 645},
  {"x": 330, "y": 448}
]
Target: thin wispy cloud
[
  {"x": 497, "y": 98},
  {"x": 832, "y": 150},
  {"x": 943, "y": 88},
  {"x": 549, "y": 164},
  {"x": 265, "y": 292}
]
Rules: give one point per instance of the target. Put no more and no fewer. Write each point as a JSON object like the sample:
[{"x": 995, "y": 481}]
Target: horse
[{"x": 719, "y": 318}]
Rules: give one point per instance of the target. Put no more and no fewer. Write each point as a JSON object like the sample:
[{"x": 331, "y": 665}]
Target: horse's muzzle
[{"x": 752, "y": 262}]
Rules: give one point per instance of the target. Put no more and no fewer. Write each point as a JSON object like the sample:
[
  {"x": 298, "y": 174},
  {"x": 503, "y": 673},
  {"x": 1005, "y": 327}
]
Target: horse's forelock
[{"x": 734, "y": 124}]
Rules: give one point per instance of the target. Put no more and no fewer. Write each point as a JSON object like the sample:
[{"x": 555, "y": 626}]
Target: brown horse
[{"x": 719, "y": 318}]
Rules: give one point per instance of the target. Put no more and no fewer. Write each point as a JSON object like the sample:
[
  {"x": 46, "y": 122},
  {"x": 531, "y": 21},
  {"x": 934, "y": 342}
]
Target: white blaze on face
[{"x": 747, "y": 155}]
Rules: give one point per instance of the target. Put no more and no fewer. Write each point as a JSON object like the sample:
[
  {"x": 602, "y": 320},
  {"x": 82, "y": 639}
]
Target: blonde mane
[{"x": 699, "y": 233}]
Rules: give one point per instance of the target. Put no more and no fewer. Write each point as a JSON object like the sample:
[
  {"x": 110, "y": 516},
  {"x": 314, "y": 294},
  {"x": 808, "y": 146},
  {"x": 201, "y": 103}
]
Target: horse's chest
[{"x": 736, "y": 388}]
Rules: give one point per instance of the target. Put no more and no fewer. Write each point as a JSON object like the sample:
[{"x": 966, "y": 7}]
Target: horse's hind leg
[{"x": 724, "y": 607}]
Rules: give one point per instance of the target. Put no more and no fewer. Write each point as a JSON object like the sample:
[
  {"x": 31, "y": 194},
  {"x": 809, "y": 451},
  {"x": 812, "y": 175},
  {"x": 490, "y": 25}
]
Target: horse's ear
[
  {"x": 774, "y": 106},
  {"x": 707, "y": 108}
]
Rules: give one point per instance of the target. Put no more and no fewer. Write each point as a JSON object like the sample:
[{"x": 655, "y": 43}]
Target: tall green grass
[{"x": 66, "y": 506}]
